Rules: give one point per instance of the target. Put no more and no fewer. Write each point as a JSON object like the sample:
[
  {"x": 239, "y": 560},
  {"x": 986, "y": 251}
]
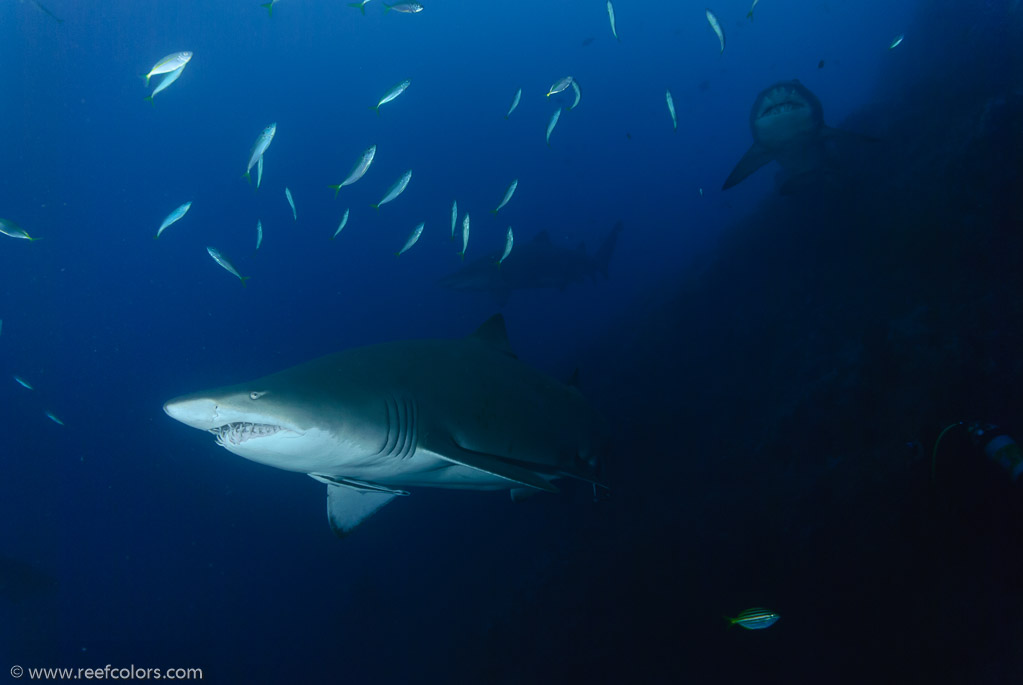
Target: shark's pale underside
[{"x": 372, "y": 421}]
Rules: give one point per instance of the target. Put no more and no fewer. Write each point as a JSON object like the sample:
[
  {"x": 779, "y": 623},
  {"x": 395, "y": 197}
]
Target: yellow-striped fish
[
  {"x": 13, "y": 230},
  {"x": 562, "y": 84},
  {"x": 171, "y": 62}
]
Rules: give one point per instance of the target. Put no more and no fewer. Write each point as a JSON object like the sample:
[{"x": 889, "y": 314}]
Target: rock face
[{"x": 779, "y": 452}]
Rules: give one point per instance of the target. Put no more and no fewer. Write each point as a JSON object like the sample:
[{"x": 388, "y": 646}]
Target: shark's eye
[{"x": 256, "y": 395}]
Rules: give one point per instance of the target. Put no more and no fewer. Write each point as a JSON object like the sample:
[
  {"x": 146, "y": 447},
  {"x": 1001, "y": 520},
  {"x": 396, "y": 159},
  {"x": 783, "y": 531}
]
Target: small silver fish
[
  {"x": 394, "y": 92},
  {"x": 173, "y": 216},
  {"x": 259, "y": 234},
  {"x": 291, "y": 201},
  {"x": 454, "y": 217},
  {"x": 896, "y": 41},
  {"x": 260, "y": 146},
  {"x": 361, "y": 6},
  {"x": 507, "y": 196},
  {"x": 412, "y": 239},
  {"x": 50, "y": 415},
  {"x": 170, "y": 63},
  {"x": 395, "y": 190},
  {"x": 671, "y": 108},
  {"x": 578, "y": 95},
  {"x": 13, "y": 230},
  {"x": 359, "y": 170},
  {"x": 404, "y": 7},
  {"x": 259, "y": 172},
  {"x": 552, "y": 124},
  {"x": 515, "y": 103},
  {"x": 755, "y": 619},
  {"x": 611, "y": 16},
  {"x": 749, "y": 15},
  {"x": 23, "y": 383},
  {"x": 465, "y": 235},
  {"x": 344, "y": 220},
  {"x": 165, "y": 82},
  {"x": 561, "y": 85},
  {"x": 228, "y": 266},
  {"x": 714, "y": 24},
  {"x": 509, "y": 240}
]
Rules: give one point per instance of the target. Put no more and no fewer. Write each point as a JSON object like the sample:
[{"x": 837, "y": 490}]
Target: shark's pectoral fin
[
  {"x": 756, "y": 157},
  {"x": 362, "y": 485},
  {"x": 496, "y": 466},
  {"x": 347, "y": 506}
]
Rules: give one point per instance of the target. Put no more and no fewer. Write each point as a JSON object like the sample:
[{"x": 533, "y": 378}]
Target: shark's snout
[{"x": 197, "y": 412}]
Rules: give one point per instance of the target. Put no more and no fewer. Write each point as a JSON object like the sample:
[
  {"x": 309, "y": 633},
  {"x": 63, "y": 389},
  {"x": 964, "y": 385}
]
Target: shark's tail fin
[{"x": 602, "y": 260}]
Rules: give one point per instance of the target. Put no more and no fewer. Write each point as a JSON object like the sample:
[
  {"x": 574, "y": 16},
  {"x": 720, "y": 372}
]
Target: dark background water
[{"x": 776, "y": 368}]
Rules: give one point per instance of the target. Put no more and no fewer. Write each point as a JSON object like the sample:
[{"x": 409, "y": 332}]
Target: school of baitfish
[{"x": 173, "y": 65}]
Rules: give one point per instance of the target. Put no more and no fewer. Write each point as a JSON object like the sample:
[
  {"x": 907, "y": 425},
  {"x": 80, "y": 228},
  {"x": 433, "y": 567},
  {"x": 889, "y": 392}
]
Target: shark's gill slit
[
  {"x": 408, "y": 429},
  {"x": 393, "y": 427},
  {"x": 401, "y": 428}
]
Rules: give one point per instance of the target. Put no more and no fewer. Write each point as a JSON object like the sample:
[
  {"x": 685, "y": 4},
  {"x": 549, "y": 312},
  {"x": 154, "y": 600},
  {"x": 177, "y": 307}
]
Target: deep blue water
[{"x": 154, "y": 547}]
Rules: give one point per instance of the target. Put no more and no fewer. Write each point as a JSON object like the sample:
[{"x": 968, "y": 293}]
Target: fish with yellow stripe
[{"x": 756, "y": 618}]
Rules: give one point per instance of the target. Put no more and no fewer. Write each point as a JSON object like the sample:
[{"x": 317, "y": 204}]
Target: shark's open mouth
[
  {"x": 237, "y": 433},
  {"x": 781, "y": 108}
]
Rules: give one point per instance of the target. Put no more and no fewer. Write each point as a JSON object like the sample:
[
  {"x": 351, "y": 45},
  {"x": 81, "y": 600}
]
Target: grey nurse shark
[
  {"x": 372, "y": 421},
  {"x": 538, "y": 263},
  {"x": 788, "y": 127}
]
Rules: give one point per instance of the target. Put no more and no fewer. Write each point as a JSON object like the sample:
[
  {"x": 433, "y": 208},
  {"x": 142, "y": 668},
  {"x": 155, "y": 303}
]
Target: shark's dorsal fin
[
  {"x": 494, "y": 334},
  {"x": 542, "y": 237}
]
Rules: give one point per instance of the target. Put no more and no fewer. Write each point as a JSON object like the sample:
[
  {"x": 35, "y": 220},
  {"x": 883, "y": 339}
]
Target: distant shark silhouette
[
  {"x": 788, "y": 127},
  {"x": 371, "y": 421},
  {"x": 536, "y": 264}
]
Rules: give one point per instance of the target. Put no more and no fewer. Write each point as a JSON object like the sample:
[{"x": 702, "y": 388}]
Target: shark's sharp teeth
[{"x": 239, "y": 432}]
